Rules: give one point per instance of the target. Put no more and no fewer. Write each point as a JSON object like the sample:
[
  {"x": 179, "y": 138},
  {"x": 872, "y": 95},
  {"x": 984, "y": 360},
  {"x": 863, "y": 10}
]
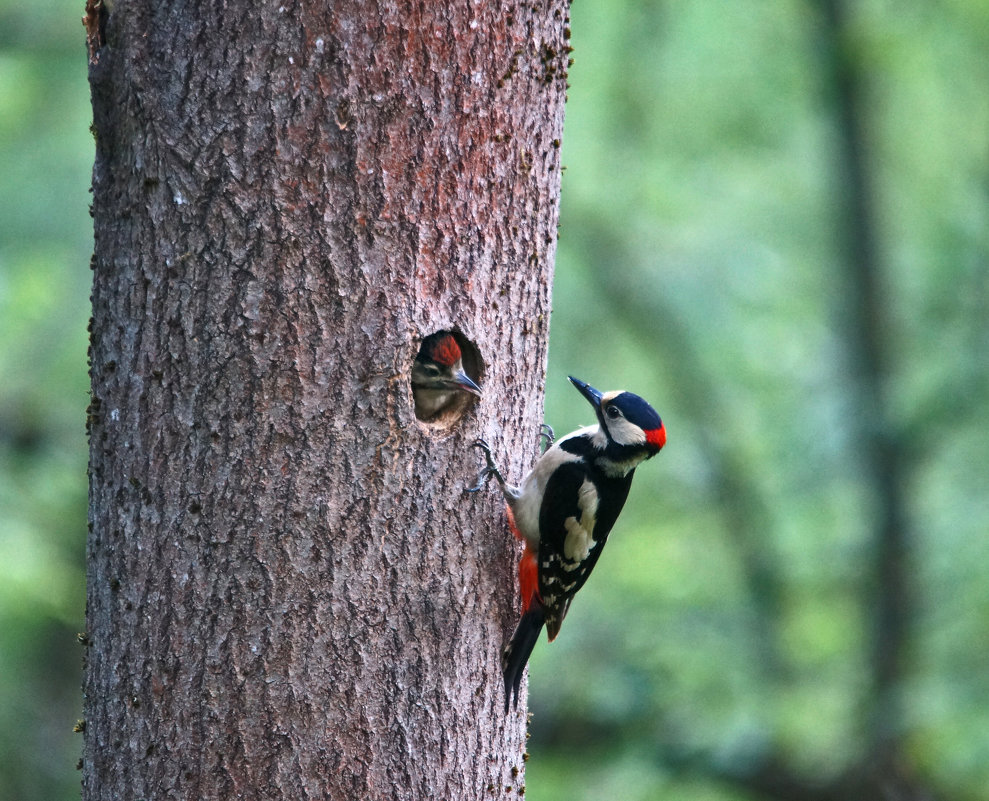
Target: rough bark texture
[{"x": 289, "y": 594}]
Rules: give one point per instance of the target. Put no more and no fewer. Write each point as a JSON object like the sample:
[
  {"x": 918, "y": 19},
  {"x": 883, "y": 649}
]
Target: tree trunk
[
  {"x": 869, "y": 334},
  {"x": 289, "y": 593}
]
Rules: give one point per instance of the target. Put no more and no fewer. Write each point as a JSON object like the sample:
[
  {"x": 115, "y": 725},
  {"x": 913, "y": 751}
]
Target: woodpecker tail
[{"x": 517, "y": 652}]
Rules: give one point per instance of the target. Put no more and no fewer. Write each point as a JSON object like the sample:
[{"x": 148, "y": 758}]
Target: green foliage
[{"x": 697, "y": 266}]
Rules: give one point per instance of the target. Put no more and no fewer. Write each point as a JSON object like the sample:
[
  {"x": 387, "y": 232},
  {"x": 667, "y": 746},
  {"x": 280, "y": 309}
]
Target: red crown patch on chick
[{"x": 446, "y": 351}]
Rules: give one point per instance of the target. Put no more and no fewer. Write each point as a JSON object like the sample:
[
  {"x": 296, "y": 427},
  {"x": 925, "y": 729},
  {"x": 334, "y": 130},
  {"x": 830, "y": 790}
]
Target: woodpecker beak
[
  {"x": 593, "y": 396},
  {"x": 462, "y": 381}
]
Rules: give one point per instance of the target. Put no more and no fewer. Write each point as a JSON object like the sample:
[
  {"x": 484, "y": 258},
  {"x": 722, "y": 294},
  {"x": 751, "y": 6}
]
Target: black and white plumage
[{"x": 566, "y": 507}]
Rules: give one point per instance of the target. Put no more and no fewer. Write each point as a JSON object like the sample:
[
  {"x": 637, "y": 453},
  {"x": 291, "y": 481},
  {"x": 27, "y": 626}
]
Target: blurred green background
[
  {"x": 774, "y": 227},
  {"x": 46, "y": 156}
]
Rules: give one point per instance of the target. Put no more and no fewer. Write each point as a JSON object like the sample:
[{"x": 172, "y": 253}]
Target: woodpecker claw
[
  {"x": 482, "y": 480},
  {"x": 490, "y": 469},
  {"x": 547, "y": 435}
]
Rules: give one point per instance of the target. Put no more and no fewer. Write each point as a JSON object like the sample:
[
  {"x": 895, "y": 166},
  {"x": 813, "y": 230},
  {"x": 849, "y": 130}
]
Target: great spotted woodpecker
[
  {"x": 438, "y": 375},
  {"x": 565, "y": 508}
]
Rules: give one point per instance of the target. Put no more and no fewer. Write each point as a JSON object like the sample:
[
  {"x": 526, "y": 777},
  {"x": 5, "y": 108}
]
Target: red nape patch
[
  {"x": 446, "y": 351},
  {"x": 657, "y": 436}
]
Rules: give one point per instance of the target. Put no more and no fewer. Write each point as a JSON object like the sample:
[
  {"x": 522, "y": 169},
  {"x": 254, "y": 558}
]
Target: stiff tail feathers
[{"x": 518, "y": 650}]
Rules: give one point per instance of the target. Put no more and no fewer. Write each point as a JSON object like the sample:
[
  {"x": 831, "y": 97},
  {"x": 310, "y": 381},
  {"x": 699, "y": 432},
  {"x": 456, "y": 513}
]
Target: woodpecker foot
[
  {"x": 547, "y": 436},
  {"x": 490, "y": 469}
]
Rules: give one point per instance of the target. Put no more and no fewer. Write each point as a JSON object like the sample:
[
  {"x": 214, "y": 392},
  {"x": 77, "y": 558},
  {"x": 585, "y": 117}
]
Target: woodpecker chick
[
  {"x": 565, "y": 509},
  {"x": 438, "y": 375}
]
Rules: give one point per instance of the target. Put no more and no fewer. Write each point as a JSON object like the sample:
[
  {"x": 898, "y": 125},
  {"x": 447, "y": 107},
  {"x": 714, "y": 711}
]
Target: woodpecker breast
[{"x": 530, "y": 497}]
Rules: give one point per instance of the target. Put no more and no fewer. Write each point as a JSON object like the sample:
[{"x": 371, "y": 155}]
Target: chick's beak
[
  {"x": 462, "y": 381},
  {"x": 593, "y": 396}
]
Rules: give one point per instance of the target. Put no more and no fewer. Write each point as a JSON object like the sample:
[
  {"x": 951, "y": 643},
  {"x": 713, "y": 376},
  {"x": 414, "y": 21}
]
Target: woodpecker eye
[
  {"x": 431, "y": 369},
  {"x": 613, "y": 412}
]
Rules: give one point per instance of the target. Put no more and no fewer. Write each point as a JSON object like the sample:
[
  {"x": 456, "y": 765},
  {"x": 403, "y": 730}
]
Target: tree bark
[{"x": 289, "y": 594}]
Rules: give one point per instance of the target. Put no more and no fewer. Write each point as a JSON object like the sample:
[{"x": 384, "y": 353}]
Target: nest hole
[{"x": 440, "y": 395}]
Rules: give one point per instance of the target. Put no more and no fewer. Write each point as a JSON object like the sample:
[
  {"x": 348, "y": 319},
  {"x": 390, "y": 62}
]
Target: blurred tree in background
[{"x": 775, "y": 227}]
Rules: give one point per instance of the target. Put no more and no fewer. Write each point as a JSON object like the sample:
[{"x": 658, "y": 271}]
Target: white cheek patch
[
  {"x": 621, "y": 430},
  {"x": 625, "y": 433}
]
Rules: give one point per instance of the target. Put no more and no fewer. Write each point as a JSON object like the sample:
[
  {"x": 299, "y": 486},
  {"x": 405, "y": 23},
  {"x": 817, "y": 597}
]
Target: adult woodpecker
[
  {"x": 565, "y": 509},
  {"x": 438, "y": 375}
]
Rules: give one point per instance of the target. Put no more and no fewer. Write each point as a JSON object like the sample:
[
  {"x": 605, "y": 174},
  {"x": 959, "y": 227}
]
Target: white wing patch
[{"x": 580, "y": 533}]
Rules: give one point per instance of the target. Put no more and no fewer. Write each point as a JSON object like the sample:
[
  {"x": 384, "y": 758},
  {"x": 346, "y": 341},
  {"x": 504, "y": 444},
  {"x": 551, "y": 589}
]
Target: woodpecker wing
[{"x": 578, "y": 510}]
